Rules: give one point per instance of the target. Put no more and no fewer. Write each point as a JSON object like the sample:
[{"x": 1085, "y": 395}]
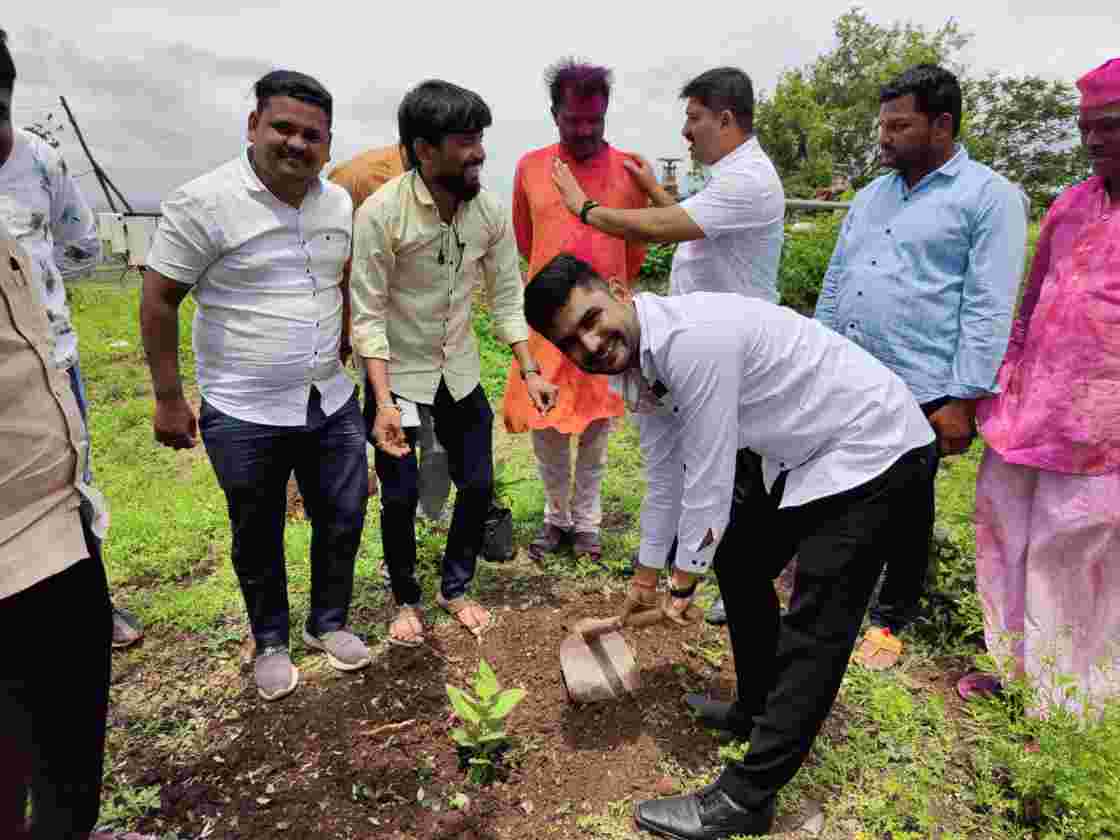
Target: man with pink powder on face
[{"x": 1048, "y": 491}]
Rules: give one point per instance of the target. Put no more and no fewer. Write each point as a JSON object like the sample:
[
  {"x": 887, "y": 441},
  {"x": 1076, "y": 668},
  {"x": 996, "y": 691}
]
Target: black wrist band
[
  {"x": 526, "y": 371},
  {"x": 588, "y": 206},
  {"x": 683, "y": 593}
]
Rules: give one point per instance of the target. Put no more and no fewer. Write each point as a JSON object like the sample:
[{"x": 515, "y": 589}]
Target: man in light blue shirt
[{"x": 924, "y": 277}]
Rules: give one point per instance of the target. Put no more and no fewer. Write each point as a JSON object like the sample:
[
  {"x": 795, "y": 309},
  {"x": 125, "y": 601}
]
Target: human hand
[
  {"x": 676, "y": 609},
  {"x": 642, "y": 594},
  {"x": 954, "y": 425},
  {"x": 541, "y": 392},
  {"x": 641, "y": 172},
  {"x": 570, "y": 190},
  {"x": 387, "y": 432},
  {"x": 175, "y": 423}
]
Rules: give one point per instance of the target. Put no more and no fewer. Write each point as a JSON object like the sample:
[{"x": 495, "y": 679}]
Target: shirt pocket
[{"x": 330, "y": 249}]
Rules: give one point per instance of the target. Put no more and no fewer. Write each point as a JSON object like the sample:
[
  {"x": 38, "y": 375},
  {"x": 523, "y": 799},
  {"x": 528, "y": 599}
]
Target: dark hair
[
  {"x": 434, "y": 109},
  {"x": 724, "y": 89},
  {"x": 7, "y": 66},
  {"x": 297, "y": 86},
  {"x": 579, "y": 77},
  {"x": 548, "y": 291},
  {"x": 936, "y": 91}
]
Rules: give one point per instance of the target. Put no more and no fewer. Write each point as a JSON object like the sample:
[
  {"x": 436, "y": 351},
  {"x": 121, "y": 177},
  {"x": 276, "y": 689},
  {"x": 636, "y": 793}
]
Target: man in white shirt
[
  {"x": 261, "y": 241},
  {"x": 730, "y": 235},
  {"x": 843, "y": 451},
  {"x": 45, "y": 211}
]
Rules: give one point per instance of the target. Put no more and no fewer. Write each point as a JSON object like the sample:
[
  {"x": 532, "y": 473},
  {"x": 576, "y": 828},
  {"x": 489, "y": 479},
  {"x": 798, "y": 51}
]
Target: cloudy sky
[{"x": 162, "y": 93}]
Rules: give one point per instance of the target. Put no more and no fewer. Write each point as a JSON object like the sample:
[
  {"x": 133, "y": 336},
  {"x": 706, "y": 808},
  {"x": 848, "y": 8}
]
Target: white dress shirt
[
  {"x": 266, "y": 277},
  {"x": 742, "y": 212},
  {"x": 739, "y": 373}
]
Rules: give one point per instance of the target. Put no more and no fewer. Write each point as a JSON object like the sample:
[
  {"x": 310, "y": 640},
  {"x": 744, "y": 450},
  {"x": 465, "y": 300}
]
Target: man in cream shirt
[{"x": 421, "y": 245}]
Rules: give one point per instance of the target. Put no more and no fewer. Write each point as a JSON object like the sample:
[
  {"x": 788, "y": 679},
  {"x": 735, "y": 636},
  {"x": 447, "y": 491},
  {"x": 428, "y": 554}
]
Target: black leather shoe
[
  {"x": 708, "y": 814},
  {"x": 718, "y": 714}
]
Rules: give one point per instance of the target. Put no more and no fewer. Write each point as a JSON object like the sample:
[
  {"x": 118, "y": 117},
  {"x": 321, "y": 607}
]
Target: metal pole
[{"x": 102, "y": 178}]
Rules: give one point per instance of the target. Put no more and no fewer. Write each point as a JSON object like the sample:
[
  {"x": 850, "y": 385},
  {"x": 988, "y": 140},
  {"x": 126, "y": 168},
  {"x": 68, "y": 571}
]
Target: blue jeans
[
  {"x": 253, "y": 462},
  {"x": 79, "y": 389},
  {"x": 465, "y": 429}
]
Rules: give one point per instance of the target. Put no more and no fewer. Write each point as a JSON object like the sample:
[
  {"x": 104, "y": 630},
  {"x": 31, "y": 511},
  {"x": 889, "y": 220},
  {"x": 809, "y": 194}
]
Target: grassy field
[{"x": 901, "y": 757}]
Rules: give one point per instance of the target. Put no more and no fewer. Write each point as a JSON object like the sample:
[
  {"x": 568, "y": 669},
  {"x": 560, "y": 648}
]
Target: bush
[{"x": 805, "y": 257}]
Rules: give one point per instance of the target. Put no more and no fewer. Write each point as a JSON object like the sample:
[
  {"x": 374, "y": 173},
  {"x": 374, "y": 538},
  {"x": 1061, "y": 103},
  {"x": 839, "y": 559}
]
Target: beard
[{"x": 459, "y": 186}]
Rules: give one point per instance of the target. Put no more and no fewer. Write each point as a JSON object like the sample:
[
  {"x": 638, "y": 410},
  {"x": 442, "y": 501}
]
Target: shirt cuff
[
  {"x": 511, "y": 332},
  {"x": 653, "y": 555},
  {"x": 695, "y": 562},
  {"x": 960, "y": 391},
  {"x": 370, "y": 346}
]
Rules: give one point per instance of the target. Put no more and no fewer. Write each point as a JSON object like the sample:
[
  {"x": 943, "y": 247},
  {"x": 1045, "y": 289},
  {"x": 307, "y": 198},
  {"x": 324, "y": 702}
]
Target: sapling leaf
[
  {"x": 460, "y": 736},
  {"x": 486, "y": 683},
  {"x": 465, "y": 706},
  {"x": 504, "y": 702}
]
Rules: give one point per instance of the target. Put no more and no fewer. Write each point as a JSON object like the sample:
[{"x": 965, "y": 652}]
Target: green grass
[{"x": 900, "y": 758}]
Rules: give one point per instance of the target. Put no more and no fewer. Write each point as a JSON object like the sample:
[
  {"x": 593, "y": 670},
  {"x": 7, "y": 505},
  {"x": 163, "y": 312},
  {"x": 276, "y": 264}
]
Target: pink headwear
[{"x": 1100, "y": 86}]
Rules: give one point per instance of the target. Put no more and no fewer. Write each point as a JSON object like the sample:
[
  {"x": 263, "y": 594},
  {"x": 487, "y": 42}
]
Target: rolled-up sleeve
[
  {"x": 185, "y": 244},
  {"x": 501, "y": 274},
  {"x": 995, "y": 266},
  {"x": 372, "y": 266},
  {"x": 704, "y": 370}
]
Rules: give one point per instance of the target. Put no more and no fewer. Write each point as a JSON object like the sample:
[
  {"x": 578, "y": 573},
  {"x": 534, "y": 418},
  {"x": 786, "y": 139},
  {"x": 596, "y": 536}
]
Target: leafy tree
[
  {"x": 47, "y": 130},
  {"x": 1025, "y": 128},
  {"x": 821, "y": 119}
]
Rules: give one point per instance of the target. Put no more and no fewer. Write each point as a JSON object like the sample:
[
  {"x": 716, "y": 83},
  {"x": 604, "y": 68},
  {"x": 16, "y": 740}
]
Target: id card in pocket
[{"x": 410, "y": 414}]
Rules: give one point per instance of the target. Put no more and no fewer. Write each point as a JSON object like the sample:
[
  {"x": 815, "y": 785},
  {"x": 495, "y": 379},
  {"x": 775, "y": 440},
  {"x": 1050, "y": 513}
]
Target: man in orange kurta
[
  {"x": 362, "y": 176},
  {"x": 544, "y": 227}
]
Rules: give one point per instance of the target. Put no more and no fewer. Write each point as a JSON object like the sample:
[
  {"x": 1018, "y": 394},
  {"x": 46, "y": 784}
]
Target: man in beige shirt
[
  {"x": 362, "y": 176},
  {"x": 421, "y": 244},
  {"x": 53, "y": 693}
]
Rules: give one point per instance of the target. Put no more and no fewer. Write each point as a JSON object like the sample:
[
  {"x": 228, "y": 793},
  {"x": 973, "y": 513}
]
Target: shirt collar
[
  {"x": 739, "y": 151},
  {"x": 420, "y": 188},
  {"x": 949, "y": 169},
  {"x": 255, "y": 185}
]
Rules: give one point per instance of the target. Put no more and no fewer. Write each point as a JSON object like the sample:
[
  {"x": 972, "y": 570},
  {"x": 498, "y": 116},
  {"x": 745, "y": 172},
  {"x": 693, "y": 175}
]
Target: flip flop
[
  {"x": 878, "y": 650},
  {"x": 416, "y": 640},
  {"x": 455, "y": 606},
  {"x": 978, "y": 684}
]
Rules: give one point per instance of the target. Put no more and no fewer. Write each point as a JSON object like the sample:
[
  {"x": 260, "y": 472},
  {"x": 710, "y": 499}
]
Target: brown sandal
[
  {"x": 455, "y": 606},
  {"x": 414, "y": 639}
]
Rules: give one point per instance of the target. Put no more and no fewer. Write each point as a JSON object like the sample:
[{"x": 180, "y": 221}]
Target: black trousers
[
  {"x": 904, "y": 581},
  {"x": 789, "y": 667},
  {"x": 253, "y": 463},
  {"x": 466, "y": 430},
  {"x": 54, "y": 694}
]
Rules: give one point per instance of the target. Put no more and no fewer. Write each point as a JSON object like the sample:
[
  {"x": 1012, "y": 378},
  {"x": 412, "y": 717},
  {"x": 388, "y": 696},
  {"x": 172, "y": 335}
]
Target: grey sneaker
[
  {"x": 345, "y": 651},
  {"x": 275, "y": 674},
  {"x": 127, "y": 629},
  {"x": 717, "y": 613}
]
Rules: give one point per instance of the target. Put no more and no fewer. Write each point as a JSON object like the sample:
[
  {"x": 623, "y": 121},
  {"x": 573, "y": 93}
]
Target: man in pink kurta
[
  {"x": 544, "y": 228},
  {"x": 1048, "y": 492}
]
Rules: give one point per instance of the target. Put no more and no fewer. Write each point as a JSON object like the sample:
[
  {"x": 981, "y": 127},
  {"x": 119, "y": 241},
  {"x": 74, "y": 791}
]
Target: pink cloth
[
  {"x": 1100, "y": 86},
  {"x": 1048, "y": 575},
  {"x": 1059, "y": 406}
]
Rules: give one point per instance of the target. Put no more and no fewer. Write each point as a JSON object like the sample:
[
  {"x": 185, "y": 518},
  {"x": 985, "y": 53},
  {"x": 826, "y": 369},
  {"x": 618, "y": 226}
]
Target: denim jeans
[
  {"x": 253, "y": 462},
  {"x": 465, "y": 430},
  {"x": 78, "y": 387}
]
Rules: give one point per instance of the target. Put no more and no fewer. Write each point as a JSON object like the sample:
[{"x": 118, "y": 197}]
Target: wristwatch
[{"x": 588, "y": 206}]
